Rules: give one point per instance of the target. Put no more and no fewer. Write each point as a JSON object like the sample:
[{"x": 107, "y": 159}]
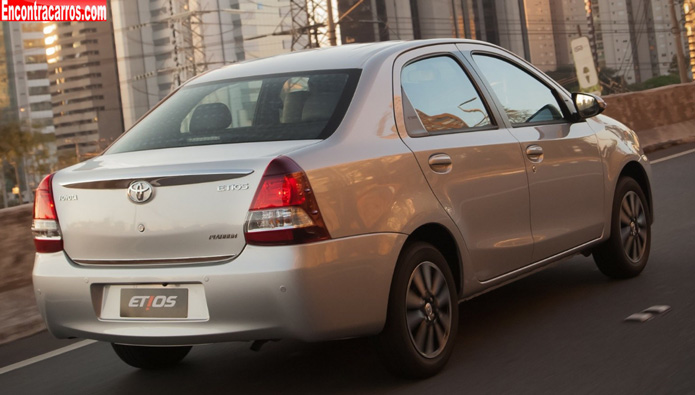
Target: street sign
[{"x": 584, "y": 65}]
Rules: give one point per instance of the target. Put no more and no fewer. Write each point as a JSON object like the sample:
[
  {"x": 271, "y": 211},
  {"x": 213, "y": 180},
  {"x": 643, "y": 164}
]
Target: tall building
[
  {"x": 524, "y": 27},
  {"x": 689, "y": 11},
  {"x": 6, "y": 81},
  {"x": 635, "y": 37},
  {"x": 162, "y": 43},
  {"x": 84, "y": 87},
  {"x": 30, "y": 75},
  {"x": 25, "y": 97},
  {"x": 569, "y": 21}
]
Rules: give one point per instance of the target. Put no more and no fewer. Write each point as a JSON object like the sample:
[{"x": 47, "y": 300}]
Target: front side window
[
  {"x": 271, "y": 108},
  {"x": 524, "y": 98},
  {"x": 442, "y": 96}
]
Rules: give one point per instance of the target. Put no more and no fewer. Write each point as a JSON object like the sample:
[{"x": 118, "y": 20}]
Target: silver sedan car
[{"x": 352, "y": 191}]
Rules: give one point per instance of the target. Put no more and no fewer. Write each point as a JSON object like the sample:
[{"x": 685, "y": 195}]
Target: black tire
[
  {"x": 398, "y": 348},
  {"x": 145, "y": 357},
  {"x": 625, "y": 253}
]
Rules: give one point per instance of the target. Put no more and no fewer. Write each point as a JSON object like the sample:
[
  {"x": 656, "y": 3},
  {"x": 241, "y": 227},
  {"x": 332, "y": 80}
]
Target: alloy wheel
[
  {"x": 428, "y": 310},
  {"x": 633, "y": 227}
]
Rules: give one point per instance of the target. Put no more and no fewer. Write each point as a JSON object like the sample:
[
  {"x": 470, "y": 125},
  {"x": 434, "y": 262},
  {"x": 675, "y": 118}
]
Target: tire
[
  {"x": 420, "y": 330},
  {"x": 144, "y": 357},
  {"x": 625, "y": 253}
]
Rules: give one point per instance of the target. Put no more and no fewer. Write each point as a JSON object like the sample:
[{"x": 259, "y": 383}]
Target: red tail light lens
[
  {"x": 284, "y": 210},
  {"x": 47, "y": 237}
]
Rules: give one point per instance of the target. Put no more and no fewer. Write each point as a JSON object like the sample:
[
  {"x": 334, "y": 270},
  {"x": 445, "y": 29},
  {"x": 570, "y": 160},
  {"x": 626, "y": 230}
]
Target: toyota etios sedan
[{"x": 351, "y": 191}]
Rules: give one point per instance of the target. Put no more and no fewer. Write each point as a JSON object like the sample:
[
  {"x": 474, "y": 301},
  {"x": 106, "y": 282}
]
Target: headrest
[
  {"x": 209, "y": 117},
  {"x": 326, "y": 83}
]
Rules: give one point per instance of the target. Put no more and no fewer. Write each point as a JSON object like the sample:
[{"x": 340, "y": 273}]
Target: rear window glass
[{"x": 269, "y": 108}]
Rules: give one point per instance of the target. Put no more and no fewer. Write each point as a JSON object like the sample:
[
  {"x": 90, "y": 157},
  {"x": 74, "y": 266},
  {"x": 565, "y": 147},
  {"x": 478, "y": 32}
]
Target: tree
[{"x": 15, "y": 145}]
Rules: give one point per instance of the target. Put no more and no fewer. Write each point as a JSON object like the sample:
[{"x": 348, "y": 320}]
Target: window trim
[{"x": 474, "y": 82}]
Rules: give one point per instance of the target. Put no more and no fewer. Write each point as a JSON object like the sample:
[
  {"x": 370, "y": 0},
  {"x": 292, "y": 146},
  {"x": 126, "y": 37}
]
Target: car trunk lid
[{"x": 168, "y": 206}]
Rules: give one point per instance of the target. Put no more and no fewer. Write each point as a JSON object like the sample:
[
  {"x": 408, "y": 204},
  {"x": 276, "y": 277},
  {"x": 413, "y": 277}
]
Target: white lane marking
[
  {"x": 649, "y": 313},
  {"x": 664, "y": 159},
  {"x": 45, "y": 356}
]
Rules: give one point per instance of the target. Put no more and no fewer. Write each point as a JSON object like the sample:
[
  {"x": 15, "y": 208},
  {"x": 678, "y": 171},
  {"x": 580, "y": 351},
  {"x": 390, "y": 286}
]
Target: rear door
[
  {"x": 562, "y": 157},
  {"x": 474, "y": 167}
]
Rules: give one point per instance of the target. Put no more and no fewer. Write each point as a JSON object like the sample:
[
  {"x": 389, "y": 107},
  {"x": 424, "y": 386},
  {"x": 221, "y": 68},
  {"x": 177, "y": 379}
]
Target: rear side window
[
  {"x": 269, "y": 108},
  {"x": 524, "y": 98},
  {"x": 443, "y": 97}
]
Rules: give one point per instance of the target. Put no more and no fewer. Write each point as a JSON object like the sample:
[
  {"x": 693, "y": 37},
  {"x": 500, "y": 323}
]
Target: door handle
[
  {"x": 534, "y": 153},
  {"x": 440, "y": 163}
]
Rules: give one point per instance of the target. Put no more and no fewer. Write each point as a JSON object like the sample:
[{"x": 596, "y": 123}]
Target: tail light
[
  {"x": 47, "y": 237},
  {"x": 284, "y": 210}
]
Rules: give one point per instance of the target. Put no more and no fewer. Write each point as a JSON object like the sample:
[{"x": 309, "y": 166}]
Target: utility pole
[
  {"x": 524, "y": 31},
  {"x": 375, "y": 18},
  {"x": 676, "y": 30},
  {"x": 330, "y": 24}
]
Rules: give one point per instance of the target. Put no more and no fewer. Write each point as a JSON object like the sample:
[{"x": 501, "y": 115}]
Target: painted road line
[
  {"x": 45, "y": 356},
  {"x": 647, "y": 314},
  {"x": 664, "y": 159}
]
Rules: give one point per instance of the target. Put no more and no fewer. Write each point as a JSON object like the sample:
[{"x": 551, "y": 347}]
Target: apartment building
[
  {"x": 689, "y": 31},
  {"x": 25, "y": 97},
  {"x": 162, "y": 43},
  {"x": 84, "y": 87}
]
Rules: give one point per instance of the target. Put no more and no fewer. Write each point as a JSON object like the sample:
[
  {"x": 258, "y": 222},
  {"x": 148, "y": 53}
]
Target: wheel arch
[
  {"x": 635, "y": 171},
  {"x": 442, "y": 239}
]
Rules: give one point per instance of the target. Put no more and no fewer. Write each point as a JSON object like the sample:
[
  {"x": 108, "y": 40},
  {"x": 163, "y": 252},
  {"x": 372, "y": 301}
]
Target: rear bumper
[{"x": 327, "y": 290}]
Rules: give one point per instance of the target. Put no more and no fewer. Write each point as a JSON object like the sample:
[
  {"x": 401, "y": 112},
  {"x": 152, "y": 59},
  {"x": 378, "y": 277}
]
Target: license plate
[{"x": 154, "y": 303}]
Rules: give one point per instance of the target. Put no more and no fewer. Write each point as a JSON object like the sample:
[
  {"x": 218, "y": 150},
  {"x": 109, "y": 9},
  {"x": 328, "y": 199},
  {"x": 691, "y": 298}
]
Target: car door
[
  {"x": 562, "y": 158},
  {"x": 474, "y": 167}
]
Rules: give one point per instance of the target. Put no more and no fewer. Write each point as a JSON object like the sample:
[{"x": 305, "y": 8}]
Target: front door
[{"x": 562, "y": 158}]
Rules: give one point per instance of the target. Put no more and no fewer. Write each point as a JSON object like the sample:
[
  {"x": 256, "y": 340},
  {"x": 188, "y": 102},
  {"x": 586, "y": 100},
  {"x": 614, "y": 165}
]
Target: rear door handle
[
  {"x": 534, "y": 153},
  {"x": 440, "y": 163}
]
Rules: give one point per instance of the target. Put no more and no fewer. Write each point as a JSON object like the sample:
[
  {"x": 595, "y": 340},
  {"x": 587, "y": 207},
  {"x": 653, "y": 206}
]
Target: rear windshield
[{"x": 296, "y": 106}]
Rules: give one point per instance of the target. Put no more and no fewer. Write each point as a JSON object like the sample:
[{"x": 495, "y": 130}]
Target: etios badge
[{"x": 140, "y": 191}]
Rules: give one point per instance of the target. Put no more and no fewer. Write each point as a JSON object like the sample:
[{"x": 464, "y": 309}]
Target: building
[
  {"x": 689, "y": 18},
  {"x": 635, "y": 37},
  {"x": 162, "y": 43},
  {"x": 522, "y": 26},
  {"x": 27, "y": 62},
  {"x": 569, "y": 21},
  {"x": 25, "y": 97},
  {"x": 84, "y": 87}
]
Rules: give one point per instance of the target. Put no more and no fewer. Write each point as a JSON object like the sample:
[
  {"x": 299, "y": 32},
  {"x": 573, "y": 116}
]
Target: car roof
[{"x": 350, "y": 56}]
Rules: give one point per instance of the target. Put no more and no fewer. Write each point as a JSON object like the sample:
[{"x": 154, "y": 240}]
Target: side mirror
[{"x": 588, "y": 105}]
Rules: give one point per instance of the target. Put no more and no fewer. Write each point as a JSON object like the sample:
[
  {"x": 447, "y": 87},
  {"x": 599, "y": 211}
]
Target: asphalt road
[{"x": 561, "y": 331}]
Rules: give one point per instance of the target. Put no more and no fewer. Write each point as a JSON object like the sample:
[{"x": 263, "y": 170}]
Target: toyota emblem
[{"x": 140, "y": 191}]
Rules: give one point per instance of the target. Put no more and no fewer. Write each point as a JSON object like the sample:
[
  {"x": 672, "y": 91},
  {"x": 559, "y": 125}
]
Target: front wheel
[
  {"x": 422, "y": 316},
  {"x": 145, "y": 357},
  {"x": 626, "y": 252}
]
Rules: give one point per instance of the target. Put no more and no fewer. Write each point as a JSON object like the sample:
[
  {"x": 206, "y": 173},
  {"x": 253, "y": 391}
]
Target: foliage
[
  {"x": 656, "y": 82},
  {"x": 15, "y": 145}
]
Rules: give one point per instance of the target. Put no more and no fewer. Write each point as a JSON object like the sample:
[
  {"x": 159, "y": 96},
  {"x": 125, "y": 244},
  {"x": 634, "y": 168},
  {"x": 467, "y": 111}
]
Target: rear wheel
[
  {"x": 145, "y": 357},
  {"x": 422, "y": 317},
  {"x": 626, "y": 252}
]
